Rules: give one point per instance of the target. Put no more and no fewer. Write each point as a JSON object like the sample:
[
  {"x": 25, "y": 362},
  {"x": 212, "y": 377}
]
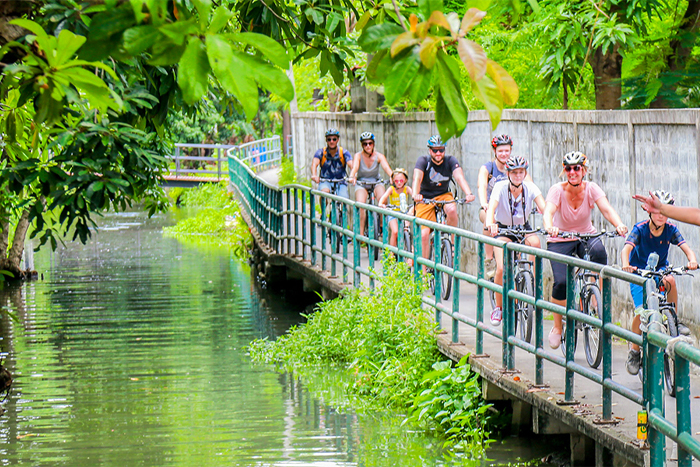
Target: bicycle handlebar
[
  {"x": 333, "y": 180},
  {"x": 585, "y": 236},
  {"x": 366, "y": 183},
  {"x": 518, "y": 232},
  {"x": 666, "y": 271},
  {"x": 442, "y": 202}
]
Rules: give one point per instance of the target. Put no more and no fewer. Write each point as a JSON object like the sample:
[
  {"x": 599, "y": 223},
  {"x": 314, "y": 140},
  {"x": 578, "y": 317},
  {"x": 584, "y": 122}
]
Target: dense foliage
[{"x": 385, "y": 342}]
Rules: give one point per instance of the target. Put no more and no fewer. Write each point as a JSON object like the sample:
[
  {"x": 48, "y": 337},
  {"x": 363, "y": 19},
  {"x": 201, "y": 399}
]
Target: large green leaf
[
  {"x": 428, "y": 6},
  {"x": 272, "y": 49},
  {"x": 140, "y": 38},
  {"x": 268, "y": 76},
  {"x": 420, "y": 86},
  {"x": 403, "y": 41},
  {"x": 179, "y": 31},
  {"x": 203, "y": 8},
  {"x": 473, "y": 57},
  {"x": 68, "y": 45},
  {"x": 400, "y": 77},
  {"x": 379, "y": 67},
  {"x": 232, "y": 73},
  {"x": 443, "y": 119},
  {"x": 166, "y": 53},
  {"x": 448, "y": 79},
  {"x": 222, "y": 15},
  {"x": 379, "y": 36},
  {"x": 504, "y": 82},
  {"x": 193, "y": 72},
  {"x": 489, "y": 94}
]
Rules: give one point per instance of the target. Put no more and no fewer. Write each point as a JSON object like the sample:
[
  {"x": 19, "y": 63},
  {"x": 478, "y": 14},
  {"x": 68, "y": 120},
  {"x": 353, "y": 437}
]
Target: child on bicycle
[
  {"x": 654, "y": 235},
  {"x": 393, "y": 196},
  {"x": 510, "y": 203}
]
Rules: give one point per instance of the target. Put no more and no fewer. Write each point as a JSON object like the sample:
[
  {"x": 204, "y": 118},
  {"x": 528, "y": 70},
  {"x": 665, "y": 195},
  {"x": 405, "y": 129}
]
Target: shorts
[
  {"x": 342, "y": 189},
  {"x": 638, "y": 293},
  {"x": 427, "y": 211},
  {"x": 375, "y": 183},
  {"x": 512, "y": 238},
  {"x": 575, "y": 248}
]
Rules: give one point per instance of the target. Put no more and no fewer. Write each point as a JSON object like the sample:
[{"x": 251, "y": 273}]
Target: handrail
[{"x": 293, "y": 220}]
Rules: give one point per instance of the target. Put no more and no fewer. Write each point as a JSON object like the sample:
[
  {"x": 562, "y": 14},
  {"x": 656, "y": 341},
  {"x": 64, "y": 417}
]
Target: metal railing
[
  {"x": 261, "y": 154},
  {"x": 295, "y": 220},
  {"x": 213, "y": 163}
]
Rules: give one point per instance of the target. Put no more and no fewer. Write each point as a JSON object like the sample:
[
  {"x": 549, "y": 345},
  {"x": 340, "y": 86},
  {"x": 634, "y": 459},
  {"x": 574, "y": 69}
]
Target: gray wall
[{"x": 629, "y": 151}]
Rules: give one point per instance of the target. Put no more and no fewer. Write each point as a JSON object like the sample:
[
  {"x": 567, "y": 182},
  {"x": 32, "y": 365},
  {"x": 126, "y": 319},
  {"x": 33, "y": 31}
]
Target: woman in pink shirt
[{"x": 568, "y": 209}]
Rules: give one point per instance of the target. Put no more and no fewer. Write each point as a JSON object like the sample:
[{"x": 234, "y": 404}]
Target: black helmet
[
  {"x": 435, "y": 142},
  {"x": 501, "y": 140},
  {"x": 332, "y": 132},
  {"x": 366, "y": 135}
]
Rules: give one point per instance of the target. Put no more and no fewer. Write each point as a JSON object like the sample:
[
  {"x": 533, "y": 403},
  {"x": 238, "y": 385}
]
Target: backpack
[{"x": 340, "y": 153}]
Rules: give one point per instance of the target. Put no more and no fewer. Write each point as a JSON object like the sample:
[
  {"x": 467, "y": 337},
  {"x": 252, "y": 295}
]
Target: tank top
[
  {"x": 368, "y": 173},
  {"x": 395, "y": 198},
  {"x": 495, "y": 176}
]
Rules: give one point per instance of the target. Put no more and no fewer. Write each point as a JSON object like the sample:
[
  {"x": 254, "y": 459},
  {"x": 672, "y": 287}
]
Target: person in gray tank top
[{"x": 365, "y": 169}]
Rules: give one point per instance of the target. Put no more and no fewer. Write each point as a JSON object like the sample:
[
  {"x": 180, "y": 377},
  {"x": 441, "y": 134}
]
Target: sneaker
[
  {"x": 634, "y": 360},
  {"x": 683, "y": 330},
  {"x": 496, "y": 316},
  {"x": 554, "y": 339},
  {"x": 490, "y": 268}
]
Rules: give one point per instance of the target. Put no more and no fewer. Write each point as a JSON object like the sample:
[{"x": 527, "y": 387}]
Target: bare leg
[
  {"x": 393, "y": 232},
  {"x": 361, "y": 197},
  {"x": 635, "y": 329}
]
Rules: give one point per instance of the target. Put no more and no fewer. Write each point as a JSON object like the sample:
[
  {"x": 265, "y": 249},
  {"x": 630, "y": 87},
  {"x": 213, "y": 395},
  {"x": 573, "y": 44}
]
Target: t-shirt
[
  {"x": 511, "y": 211},
  {"x": 645, "y": 243},
  {"x": 568, "y": 219},
  {"x": 436, "y": 178},
  {"x": 333, "y": 168},
  {"x": 495, "y": 176}
]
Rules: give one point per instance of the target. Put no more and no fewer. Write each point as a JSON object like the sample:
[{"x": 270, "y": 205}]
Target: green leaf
[
  {"x": 268, "y": 76},
  {"x": 337, "y": 69},
  {"x": 68, "y": 45},
  {"x": 179, "y": 31},
  {"x": 379, "y": 67},
  {"x": 362, "y": 22},
  {"x": 420, "y": 86},
  {"x": 204, "y": 9},
  {"x": 325, "y": 63},
  {"x": 272, "y": 49},
  {"x": 403, "y": 41},
  {"x": 443, "y": 119},
  {"x": 428, "y": 6},
  {"x": 315, "y": 15},
  {"x": 222, "y": 15},
  {"x": 193, "y": 72},
  {"x": 166, "y": 53},
  {"x": 140, "y": 38},
  {"x": 428, "y": 51},
  {"x": 473, "y": 57},
  {"x": 379, "y": 37},
  {"x": 489, "y": 94},
  {"x": 398, "y": 81},
  {"x": 448, "y": 79},
  {"x": 232, "y": 73},
  {"x": 504, "y": 82}
]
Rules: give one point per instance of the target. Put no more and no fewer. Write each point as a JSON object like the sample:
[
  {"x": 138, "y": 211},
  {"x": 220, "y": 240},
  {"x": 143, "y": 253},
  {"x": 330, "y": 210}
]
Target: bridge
[{"x": 550, "y": 393}]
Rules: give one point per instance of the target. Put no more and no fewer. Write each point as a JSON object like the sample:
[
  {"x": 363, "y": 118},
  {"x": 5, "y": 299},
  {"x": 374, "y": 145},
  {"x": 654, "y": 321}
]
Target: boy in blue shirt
[{"x": 654, "y": 235}]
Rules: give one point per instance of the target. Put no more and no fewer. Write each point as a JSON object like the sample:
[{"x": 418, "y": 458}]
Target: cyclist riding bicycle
[
  {"x": 393, "y": 197},
  {"x": 431, "y": 179},
  {"x": 569, "y": 207},
  {"x": 511, "y": 202},
  {"x": 654, "y": 235},
  {"x": 333, "y": 161},
  {"x": 365, "y": 168}
]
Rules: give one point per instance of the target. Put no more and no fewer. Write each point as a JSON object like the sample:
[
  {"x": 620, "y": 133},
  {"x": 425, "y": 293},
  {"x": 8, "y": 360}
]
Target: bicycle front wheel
[
  {"x": 446, "y": 259},
  {"x": 524, "y": 312},
  {"x": 592, "y": 336},
  {"x": 669, "y": 363}
]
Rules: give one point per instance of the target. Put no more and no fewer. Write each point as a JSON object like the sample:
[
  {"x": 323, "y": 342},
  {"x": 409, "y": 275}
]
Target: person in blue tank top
[{"x": 654, "y": 235}]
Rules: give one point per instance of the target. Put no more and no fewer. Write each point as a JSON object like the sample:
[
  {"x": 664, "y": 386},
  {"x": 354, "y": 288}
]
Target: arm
[
  {"x": 481, "y": 184},
  {"x": 385, "y": 164},
  {"x": 625, "y": 257},
  {"x": 314, "y": 166},
  {"x": 651, "y": 204},
  {"x": 548, "y": 219},
  {"x": 409, "y": 190},
  {"x": 692, "y": 261},
  {"x": 490, "y": 222},
  {"x": 382, "y": 201},
  {"x": 417, "y": 180},
  {"x": 609, "y": 213},
  {"x": 539, "y": 202},
  {"x": 458, "y": 175},
  {"x": 352, "y": 178}
]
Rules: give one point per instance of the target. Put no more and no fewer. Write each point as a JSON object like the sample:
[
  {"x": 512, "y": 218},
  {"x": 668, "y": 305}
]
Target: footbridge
[{"x": 296, "y": 230}]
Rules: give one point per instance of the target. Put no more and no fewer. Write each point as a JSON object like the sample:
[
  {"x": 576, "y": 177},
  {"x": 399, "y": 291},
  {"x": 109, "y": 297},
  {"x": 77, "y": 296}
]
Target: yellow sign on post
[{"x": 642, "y": 424}]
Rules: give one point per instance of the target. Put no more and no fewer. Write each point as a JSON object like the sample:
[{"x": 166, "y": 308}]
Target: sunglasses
[
  {"x": 331, "y": 139},
  {"x": 368, "y": 143},
  {"x": 575, "y": 168},
  {"x": 437, "y": 150}
]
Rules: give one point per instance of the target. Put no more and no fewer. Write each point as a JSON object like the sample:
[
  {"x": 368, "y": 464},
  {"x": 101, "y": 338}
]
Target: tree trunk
[
  {"x": 607, "y": 69},
  {"x": 14, "y": 256},
  {"x": 565, "y": 104}
]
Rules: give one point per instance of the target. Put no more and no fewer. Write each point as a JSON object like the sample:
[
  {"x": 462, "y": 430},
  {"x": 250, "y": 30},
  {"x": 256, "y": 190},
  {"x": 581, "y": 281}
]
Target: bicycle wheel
[
  {"x": 407, "y": 240},
  {"x": 592, "y": 337},
  {"x": 524, "y": 312},
  {"x": 446, "y": 259},
  {"x": 338, "y": 235},
  {"x": 669, "y": 363}
]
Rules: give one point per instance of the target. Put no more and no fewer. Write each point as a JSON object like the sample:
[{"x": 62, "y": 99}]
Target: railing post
[
  {"x": 343, "y": 225},
  {"x": 607, "y": 348},
  {"x": 304, "y": 232},
  {"x": 288, "y": 229},
  {"x": 356, "y": 245},
  {"x": 570, "y": 331},
  {"x": 683, "y": 419},
  {"x": 437, "y": 277},
  {"x": 508, "y": 317},
  {"x": 296, "y": 222},
  {"x": 455, "y": 289},
  {"x": 218, "y": 163},
  {"x": 177, "y": 161},
  {"x": 324, "y": 235},
  {"x": 371, "y": 229},
  {"x": 539, "y": 322},
  {"x": 312, "y": 226},
  {"x": 417, "y": 247},
  {"x": 334, "y": 238},
  {"x": 480, "y": 299},
  {"x": 657, "y": 440}
]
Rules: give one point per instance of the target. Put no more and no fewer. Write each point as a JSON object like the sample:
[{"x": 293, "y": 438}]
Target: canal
[{"x": 130, "y": 351}]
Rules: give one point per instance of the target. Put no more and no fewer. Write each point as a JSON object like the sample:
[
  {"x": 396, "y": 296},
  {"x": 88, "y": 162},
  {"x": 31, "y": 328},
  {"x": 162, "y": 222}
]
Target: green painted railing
[{"x": 292, "y": 220}]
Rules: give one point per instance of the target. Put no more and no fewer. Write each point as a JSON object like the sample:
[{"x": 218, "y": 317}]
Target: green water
[{"x": 130, "y": 352}]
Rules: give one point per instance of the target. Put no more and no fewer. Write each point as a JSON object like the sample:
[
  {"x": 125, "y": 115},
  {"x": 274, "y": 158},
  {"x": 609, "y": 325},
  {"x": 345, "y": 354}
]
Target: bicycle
[
  {"x": 524, "y": 283},
  {"x": 406, "y": 231},
  {"x": 669, "y": 316},
  {"x": 587, "y": 299},
  {"x": 376, "y": 218},
  {"x": 445, "y": 246},
  {"x": 335, "y": 238}
]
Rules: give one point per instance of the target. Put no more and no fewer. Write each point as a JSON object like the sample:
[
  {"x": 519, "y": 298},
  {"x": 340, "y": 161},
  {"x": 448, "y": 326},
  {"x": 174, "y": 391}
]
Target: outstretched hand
[{"x": 650, "y": 204}]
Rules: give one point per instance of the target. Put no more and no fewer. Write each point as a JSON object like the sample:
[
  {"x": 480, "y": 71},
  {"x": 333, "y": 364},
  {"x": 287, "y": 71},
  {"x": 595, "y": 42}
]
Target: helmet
[
  {"x": 664, "y": 196},
  {"x": 366, "y": 135},
  {"x": 516, "y": 162},
  {"x": 399, "y": 171},
  {"x": 501, "y": 140},
  {"x": 435, "y": 142},
  {"x": 332, "y": 132},
  {"x": 575, "y": 158}
]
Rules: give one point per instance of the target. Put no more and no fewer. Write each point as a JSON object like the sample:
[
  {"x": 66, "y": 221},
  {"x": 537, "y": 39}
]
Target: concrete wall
[{"x": 630, "y": 152}]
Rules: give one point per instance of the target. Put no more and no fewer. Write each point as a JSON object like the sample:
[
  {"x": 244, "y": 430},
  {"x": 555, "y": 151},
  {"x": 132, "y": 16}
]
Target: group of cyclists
[{"x": 508, "y": 195}]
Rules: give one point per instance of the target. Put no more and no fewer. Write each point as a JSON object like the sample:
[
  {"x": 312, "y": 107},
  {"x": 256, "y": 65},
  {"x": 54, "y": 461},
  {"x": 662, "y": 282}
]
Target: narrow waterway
[{"x": 131, "y": 352}]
